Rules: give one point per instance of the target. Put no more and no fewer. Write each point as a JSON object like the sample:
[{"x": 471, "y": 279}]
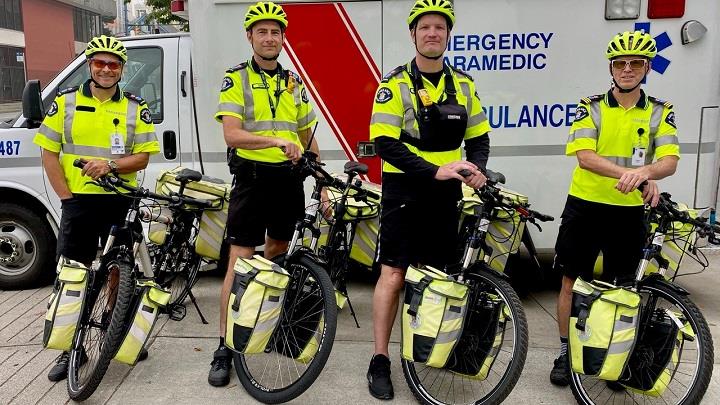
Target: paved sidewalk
[{"x": 180, "y": 354}]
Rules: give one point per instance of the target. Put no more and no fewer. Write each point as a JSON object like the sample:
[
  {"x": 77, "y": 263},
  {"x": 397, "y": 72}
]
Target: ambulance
[{"x": 531, "y": 61}]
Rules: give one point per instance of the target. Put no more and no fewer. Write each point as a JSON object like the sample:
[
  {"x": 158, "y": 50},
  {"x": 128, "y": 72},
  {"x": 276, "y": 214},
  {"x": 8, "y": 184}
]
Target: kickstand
[
  {"x": 192, "y": 298},
  {"x": 352, "y": 311}
]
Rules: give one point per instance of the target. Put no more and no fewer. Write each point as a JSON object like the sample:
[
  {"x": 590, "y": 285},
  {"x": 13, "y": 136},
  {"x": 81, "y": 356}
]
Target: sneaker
[
  {"x": 58, "y": 372},
  {"x": 378, "y": 376},
  {"x": 560, "y": 374},
  {"x": 220, "y": 368}
]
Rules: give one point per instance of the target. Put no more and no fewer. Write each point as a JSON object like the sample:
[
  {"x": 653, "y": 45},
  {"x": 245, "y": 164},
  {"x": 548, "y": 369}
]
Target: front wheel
[
  {"x": 689, "y": 375},
  {"x": 302, "y": 341},
  {"x": 102, "y": 327},
  {"x": 503, "y": 335}
]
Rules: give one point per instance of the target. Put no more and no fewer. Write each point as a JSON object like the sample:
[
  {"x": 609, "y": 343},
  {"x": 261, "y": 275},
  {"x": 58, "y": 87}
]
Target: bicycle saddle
[
  {"x": 357, "y": 167},
  {"x": 187, "y": 175}
]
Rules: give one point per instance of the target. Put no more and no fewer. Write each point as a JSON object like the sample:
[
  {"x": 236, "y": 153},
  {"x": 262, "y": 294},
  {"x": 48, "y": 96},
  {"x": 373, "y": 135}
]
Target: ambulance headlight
[{"x": 622, "y": 9}]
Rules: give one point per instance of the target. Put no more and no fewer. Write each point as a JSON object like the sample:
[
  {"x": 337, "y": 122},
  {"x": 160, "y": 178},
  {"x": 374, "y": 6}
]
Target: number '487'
[{"x": 9, "y": 148}]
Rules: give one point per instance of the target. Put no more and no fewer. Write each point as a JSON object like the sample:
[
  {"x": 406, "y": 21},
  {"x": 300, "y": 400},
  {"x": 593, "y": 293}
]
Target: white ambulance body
[{"x": 532, "y": 61}]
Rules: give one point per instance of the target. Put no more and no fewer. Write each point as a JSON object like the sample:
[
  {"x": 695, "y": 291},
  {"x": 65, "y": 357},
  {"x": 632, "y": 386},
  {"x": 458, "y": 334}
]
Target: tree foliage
[{"x": 161, "y": 14}]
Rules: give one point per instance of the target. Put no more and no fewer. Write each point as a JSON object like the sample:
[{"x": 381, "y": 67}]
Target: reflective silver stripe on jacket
[
  {"x": 620, "y": 160},
  {"x": 595, "y": 114},
  {"x": 130, "y": 120},
  {"x": 145, "y": 137},
  {"x": 50, "y": 133},
  {"x": 231, "y": 107},
  {"x": 69, "y": 116},
  {"x": 304, "y": 121},
  {"x": 655, "y": 118},
  {"x": 409, "y": 111},
  {"x": 386, "y": 118},
  {"x": 583, "y": 133},
  {"x": 256, "y": 126}
]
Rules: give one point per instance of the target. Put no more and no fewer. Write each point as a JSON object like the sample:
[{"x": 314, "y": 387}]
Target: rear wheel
[
  {"x": 690, "y": 376},
  {"x": 288, "y": 367},
  {"x": 442, "y": 386},
  {"x": 102, "y": 328}
]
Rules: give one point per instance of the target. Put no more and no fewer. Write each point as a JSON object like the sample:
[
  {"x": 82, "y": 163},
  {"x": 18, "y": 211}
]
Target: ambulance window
[{"x": 142, "y": 76}]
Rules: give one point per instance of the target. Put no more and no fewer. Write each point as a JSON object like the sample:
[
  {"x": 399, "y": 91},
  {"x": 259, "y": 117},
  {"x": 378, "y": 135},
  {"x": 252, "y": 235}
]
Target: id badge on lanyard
[
  {"x": 639, "y": 151},
  {"x": 117, "y": 144}
]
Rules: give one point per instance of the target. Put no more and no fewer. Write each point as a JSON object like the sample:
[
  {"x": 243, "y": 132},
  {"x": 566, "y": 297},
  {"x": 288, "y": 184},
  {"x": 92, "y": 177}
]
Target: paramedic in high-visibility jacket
[
  {"x": 113, "y": 132},
  {"x": 267, "y": 118},
  {"x": 621, "y": 139},
  {"x": 423, "y": 113}
]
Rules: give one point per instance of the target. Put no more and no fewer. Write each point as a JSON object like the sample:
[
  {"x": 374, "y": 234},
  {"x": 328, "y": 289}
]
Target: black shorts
[
  {"x": 588, "y": 228},
  {"x": 265, "y": 199},
  {"x": 418, "y": 232},
  {"x": 86, "y": 219}
]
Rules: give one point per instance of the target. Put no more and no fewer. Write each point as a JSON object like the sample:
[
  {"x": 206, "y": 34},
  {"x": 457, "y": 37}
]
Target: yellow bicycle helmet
[
  {"x": 265, "y": 10},
  {"x": 103, "y": 43},
  {"x": 422, "y": 7},
  {"x": 637, "y": 43}
]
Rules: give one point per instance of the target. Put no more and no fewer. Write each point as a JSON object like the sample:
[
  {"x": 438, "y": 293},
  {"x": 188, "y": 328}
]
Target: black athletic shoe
[
  {"x": 219, "y": 375},
  {"x": 378, "y": 376},
  {"x": 560, "y": 374},
  {"x": 58, "y": 372}
]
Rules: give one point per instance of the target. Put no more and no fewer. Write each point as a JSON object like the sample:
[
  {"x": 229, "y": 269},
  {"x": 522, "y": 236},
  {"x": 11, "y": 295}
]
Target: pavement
[{"x": 180, "y": 353}]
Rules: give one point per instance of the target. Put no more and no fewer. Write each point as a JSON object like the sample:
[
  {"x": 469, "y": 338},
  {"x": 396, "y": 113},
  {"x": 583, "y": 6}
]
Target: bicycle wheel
[
  {"x": 176, "y": 268},
  {"x": 290, "y": 364},
  {"x": 102, "y": 327},
  {"x": 690, "y": 376},
  {"x": 450, "y": 386}
]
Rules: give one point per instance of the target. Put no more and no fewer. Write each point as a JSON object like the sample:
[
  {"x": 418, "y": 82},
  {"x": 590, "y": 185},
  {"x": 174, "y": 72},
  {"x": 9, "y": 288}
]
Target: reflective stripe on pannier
[
  {"x": 144, "y": 312},
  {"x": 481, "y": 339},
  {"x": 255, "y": 304},
  {"x": 653, "y": 363},
  {"x": 432, "y": 316},
  {"x": 211, "y": 233},
  {"x": 209, "y": 188},
  {"x": 65, "y": 305},
  {"x": 603, "y": 328}
]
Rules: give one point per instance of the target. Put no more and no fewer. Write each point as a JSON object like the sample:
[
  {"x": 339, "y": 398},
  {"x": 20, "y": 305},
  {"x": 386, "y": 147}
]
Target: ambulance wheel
[
  {"x": 690, "y": 376},
  {"x": 27, "y": 248}
]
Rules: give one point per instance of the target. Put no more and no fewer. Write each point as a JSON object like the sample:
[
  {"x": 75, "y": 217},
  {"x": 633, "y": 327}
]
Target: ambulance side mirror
[{"x": 32, "y": 104}]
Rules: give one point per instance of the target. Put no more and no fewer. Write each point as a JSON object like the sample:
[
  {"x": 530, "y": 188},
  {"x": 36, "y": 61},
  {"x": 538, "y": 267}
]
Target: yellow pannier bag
[
  {"x": 603, "y": 328},
  {"x": 144, "y": 312},
  {"x": 505, "y": 231},
  {"x": 679, "y": 240},
  {"x": 255, "y": 304},
  {"x": 65, "y": 305},
  {"x": 433, "y": 315},
  {"x": 158, "y": 231},
  {"x": 662, "y": 341},
  {"x": 481, "y": 339},
  {"x": 211, "y": 233}
]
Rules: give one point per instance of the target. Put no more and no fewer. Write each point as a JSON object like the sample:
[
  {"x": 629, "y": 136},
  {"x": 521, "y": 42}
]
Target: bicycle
[
  {"x": 112, "y": 287},
  {"x": 302, "y": 341},
  {"x": 489, "y": 357},
  {"x": 661, "y": 300}
]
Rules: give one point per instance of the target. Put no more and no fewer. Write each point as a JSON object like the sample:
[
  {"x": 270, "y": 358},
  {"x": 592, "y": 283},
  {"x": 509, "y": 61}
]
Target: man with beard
[
  {"x": 267, "y": 120},
  {"x": 422, "y": 114}
]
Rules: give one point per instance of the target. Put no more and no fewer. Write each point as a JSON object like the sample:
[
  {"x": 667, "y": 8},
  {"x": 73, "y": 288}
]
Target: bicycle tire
[
  {"x": 509, "y": 378},
  {"x": 80, "y": 389},
  {"x": 699, "y": 325},
  {"x": 178, "y": 282},
  {"x": 256, "y": 385}
]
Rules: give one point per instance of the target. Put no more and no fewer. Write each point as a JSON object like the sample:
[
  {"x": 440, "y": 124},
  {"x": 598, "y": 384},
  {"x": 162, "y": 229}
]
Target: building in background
[{"x": 30, "y": 49}]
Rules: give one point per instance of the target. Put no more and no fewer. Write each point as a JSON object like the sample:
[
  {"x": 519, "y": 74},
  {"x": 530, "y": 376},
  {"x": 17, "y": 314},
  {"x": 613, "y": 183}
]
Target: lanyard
[{"x": 278, "y": 92}]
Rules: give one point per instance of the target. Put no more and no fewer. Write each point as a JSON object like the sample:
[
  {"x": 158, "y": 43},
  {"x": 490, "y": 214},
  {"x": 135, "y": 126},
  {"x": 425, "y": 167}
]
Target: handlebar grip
[
  {"x": 372, "y": 195},
  {"x": 79, "y": 163},
  {"x": 543, "y": 217},
  {"x": 465, "y": 173}
]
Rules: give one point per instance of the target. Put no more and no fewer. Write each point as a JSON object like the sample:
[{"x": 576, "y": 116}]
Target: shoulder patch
[
  {"x": 660, "y": 101},
  {"x": 461, "y": 73},
  {"x": 395, "y": 72},
  {"x": 670, "y": 119},
  {"x": 53, "y": 109},
  {"x": 145, "y": 116},
  {"x": 134, "y": 98},
  {"x": 304, "y": 96},
  {"x": 581, "y": 113},
  {"x": 590, "y": 99},
  {"x": 237, "y": 67},
  {"x": 226, "y": 83},
  {"x": 383, "y": 95},
  {"x": 60, "y": 92}
]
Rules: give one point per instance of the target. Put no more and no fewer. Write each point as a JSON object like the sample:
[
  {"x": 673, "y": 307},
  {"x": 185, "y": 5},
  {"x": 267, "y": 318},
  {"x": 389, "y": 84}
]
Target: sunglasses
[
  {"x": 635, "y": 64},
  {"x": 100, "y": 64}
]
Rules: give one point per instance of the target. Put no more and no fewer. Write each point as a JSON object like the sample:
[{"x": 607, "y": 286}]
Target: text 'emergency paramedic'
[{"x": 505, "y": 51}]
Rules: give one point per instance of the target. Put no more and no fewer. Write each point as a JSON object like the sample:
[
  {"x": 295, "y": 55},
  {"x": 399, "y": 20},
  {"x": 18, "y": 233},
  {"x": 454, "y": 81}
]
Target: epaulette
[
  {"x": 398, "y": 70},
  {"x": 294, "y": 75},
  {"x": 73, "y": 89},
  {"x": 237, "y": 67},
  {"x": 134, "y": 98},
  {"x": 590, "y": 99},
  {"x": 659, "y": 101},
  {"x": 461, "y": 73}
]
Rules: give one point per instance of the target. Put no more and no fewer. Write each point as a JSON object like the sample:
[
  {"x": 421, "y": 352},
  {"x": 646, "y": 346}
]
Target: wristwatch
[{"x": 113, "y": 166}]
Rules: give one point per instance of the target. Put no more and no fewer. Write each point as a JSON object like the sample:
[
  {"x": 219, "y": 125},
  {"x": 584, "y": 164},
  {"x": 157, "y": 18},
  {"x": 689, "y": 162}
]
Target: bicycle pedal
[{"x": 177, "y": 312}]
